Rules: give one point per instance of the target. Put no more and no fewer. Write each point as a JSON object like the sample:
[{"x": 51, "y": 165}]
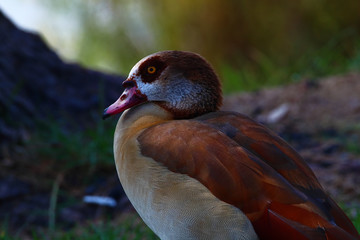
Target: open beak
[{"x": 129, "y": 98}]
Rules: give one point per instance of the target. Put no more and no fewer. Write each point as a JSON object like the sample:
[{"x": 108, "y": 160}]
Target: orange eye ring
[{"x": 151, "y": 69}]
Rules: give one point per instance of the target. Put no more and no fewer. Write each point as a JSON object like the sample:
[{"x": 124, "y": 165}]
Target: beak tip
[{"x": 105, "y": 114}]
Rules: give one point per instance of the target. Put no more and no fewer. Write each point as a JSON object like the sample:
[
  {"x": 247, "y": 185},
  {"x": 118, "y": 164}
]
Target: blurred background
[
  {"x": 48, "y": 166},
  {"x": 251, "y": 43}
]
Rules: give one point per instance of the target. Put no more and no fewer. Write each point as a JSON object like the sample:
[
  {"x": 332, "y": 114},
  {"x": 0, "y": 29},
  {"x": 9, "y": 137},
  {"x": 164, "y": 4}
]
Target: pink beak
[{"x": 129, "y": 98}]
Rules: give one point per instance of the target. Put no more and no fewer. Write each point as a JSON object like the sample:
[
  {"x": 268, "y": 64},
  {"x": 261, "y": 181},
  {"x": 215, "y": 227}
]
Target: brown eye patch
[{"x": 151, "y": 69}]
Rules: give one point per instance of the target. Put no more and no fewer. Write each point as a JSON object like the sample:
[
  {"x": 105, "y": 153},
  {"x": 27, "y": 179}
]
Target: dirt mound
[{"x": 37, "y": 84}]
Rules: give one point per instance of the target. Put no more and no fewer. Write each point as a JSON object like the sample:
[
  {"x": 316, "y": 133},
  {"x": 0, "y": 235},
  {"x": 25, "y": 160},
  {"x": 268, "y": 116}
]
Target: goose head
[{"x": 182, "y": 83}]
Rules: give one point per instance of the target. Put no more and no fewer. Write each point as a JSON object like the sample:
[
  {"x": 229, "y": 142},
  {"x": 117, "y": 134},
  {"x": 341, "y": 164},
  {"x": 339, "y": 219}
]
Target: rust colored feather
[{"x": 246, "y": 165}]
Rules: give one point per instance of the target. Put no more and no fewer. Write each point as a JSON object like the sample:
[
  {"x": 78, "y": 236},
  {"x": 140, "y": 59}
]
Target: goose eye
[{"x": 151, "y": 69}]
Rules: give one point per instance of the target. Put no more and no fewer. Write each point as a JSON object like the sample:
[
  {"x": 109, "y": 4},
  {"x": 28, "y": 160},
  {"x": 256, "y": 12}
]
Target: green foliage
[
  {"x": 348, "y": 137},
  {"x": 267, "y": 43},
  {"x": 353, "y": 212},
  {"x": 356, "y": 220},
  {"x": 128, "y": 228},
  {"x": 332, "y": 58},
  {"x": 4, "y": 233},
  {"x": 71, "y": 149}
]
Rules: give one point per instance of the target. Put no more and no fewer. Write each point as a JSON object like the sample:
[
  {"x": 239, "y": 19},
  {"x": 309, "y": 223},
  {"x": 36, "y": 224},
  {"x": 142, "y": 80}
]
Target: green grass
[
  {"x": 71, "y": 149},
  {"x": 130, "y": 228},
  {"x": 348, "y": 137},
  {"x": 337, "y": 56},
  {"x": 351, "y": 139},
  {"x": 353, "y": 212},
  {"x": 356, "y": 220},
  {"x": 126, "y": 228}
]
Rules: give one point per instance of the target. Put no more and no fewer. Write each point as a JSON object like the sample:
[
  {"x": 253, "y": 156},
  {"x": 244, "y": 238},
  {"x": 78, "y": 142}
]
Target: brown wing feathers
[
  {"x": 213, "y": 159},
  {"x": 244, "y": 164},
  {"x": 279, "y": 155},
  {"x": 265, "y": 144}
]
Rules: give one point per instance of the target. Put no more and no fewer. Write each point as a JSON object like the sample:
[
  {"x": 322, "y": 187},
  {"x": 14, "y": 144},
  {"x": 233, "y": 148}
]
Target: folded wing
[{"x": 246, "y": 165}]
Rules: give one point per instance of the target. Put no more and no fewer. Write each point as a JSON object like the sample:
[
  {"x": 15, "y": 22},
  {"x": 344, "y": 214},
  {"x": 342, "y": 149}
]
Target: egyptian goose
[{"x": 193, "y": 172}]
